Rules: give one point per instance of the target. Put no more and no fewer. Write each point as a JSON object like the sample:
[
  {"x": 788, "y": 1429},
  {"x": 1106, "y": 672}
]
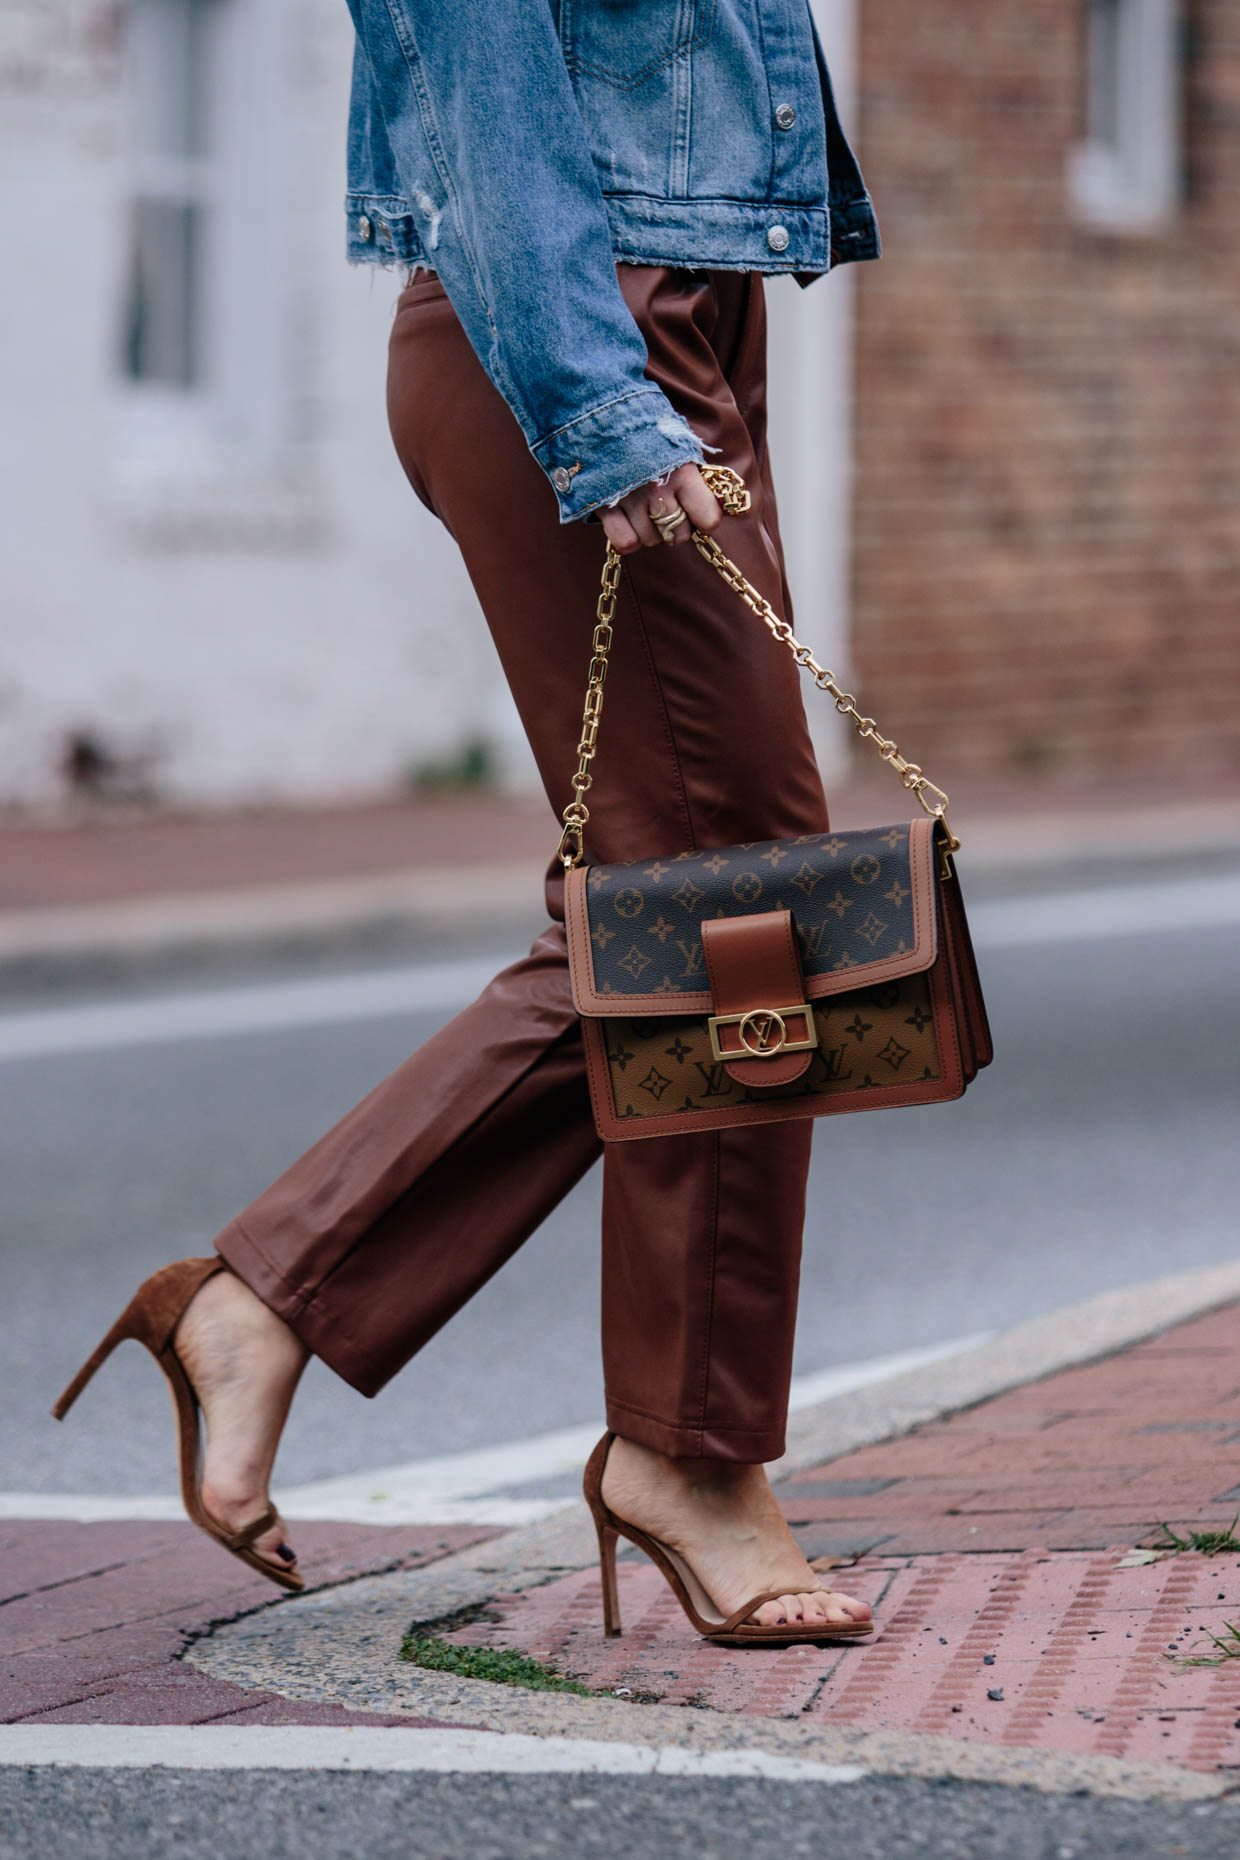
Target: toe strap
[
  {"x": 741, "y": 1617},
  {"x": 746, "y": 1609},
  {"x": 242, "y": 1539}
]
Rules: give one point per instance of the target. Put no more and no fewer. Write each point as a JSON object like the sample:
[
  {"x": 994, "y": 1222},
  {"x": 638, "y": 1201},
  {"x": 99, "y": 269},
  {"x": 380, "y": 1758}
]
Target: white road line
[
  {"x": 454, "y": 1488},
  {"x": 1008, "y": 923},
  {"x": 392, "y": 1747},
  {"x": 808, "y": 1391},
  {"x": 210, "y": 1013},
  {"x": 377, "y": 1508},
  {"x": 1120, "y": 910}
]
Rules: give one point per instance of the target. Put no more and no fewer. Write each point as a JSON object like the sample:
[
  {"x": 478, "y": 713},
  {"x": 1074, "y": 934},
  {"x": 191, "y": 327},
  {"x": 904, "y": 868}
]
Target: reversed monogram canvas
[{"x": 867, "y": 1040}]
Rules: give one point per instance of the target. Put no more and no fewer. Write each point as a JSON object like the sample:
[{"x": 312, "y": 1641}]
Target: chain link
[
  {"x": 729, "y": 488},
  {"x": 576, "y": 814}
]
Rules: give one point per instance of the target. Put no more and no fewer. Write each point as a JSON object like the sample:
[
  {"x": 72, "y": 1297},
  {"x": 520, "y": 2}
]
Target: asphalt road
[
  {"x": 1098, "y": 1151},
  {"x": 273, "y": 1815}
]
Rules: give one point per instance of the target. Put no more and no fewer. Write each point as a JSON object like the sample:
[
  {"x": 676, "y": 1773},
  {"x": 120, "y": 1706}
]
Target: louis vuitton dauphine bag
[{"x": 781, "y": 978}]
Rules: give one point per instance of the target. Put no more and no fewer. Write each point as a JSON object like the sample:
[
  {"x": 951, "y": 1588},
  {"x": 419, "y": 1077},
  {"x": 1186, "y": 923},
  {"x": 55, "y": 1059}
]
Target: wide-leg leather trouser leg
[{"x": 388, "y": 1225}]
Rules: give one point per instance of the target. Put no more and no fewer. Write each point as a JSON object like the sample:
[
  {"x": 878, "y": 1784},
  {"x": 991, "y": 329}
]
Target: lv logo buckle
[{"x": 761, "y": 1033}]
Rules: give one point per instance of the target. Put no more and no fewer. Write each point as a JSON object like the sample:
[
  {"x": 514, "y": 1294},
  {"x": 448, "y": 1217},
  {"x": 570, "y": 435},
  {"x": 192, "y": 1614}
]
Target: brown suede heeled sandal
[
  {"x": 151, "y": 1317},
  {"x": 734, "y": 1630}
]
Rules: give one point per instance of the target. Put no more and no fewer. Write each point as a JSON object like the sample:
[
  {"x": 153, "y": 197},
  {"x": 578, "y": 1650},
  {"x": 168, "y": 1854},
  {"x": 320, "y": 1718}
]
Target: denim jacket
[{"x": 521, "y": 148}]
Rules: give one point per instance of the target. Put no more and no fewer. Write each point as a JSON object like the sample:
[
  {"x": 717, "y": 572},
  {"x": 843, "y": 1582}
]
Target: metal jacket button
[
  {"x": 785, "y": 116},
  {"x": 561, "y": 478},
  {"x": 364, "y": 227},
  {"x": 777, "y": 237}
]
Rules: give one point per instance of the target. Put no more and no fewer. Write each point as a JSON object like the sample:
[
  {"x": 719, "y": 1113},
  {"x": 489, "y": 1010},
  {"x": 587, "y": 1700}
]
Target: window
[
  {"x": 206, "y": 326},
  {"x": 1125, "y": 173},
  {"x": 162, "y": 336}
]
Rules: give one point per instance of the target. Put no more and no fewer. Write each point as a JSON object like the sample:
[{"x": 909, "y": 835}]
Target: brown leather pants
[{"x": 398, "y": 1215}]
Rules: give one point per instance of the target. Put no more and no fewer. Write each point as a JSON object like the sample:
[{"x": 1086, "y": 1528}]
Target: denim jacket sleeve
[{"x": 488, "y": 143}]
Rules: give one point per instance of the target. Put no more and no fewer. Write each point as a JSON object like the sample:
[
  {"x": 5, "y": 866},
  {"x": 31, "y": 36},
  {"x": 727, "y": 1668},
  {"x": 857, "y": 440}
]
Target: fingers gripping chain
[{"x": 729, "y": 488}]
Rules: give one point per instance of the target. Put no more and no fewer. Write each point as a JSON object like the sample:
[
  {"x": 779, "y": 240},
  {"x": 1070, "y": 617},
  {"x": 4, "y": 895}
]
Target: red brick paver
[
  {"x": 94, "y": 1617},
  {"x": 1095, "y": 1456},
  {"x": 98, "y": 861},
  {"x": 990, "y": 1545}
]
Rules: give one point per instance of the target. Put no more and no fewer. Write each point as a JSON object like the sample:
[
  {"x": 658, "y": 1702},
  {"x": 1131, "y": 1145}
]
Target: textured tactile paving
[{"x": 1087, "y": 1656}]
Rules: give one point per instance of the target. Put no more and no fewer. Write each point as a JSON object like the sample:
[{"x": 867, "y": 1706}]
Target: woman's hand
[{"x": 662, "y": 513}]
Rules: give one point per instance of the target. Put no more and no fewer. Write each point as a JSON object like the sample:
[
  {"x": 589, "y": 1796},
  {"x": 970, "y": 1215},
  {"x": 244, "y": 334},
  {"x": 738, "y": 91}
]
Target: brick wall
[{"x": 1047, "y": 536}]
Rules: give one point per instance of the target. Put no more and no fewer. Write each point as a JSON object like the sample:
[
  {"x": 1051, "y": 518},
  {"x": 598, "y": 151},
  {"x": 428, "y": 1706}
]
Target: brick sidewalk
[
  {"x": 94, "y": 1617},
  {"x": 119, "y": 857},
  {"x": 990, "y": 1545}
]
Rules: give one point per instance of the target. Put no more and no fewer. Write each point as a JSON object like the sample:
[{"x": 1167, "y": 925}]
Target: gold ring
[
  {"x": 665, "y": 525},
  {"x": 655, "y": 511}
]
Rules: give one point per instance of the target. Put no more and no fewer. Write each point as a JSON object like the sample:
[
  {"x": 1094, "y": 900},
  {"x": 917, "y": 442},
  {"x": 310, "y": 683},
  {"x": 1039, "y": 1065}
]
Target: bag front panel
[{"x": 869, "y": 1040}]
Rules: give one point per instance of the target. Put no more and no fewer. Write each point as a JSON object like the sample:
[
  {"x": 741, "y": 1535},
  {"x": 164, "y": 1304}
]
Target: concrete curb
[
  {"x": 345, "y": 1656},
  {"x": 340, "y": 1646},
  {"x": 1066, "y": 1339},
  {"x": 196, "y": 932}
]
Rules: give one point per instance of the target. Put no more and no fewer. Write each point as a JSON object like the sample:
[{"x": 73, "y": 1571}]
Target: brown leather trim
[
  {"x": 970, "y": 1000},
  {"x": 862, "y": 975},
  {"x": 577, "y": 924},
  {"x": 753, "y": 963}
]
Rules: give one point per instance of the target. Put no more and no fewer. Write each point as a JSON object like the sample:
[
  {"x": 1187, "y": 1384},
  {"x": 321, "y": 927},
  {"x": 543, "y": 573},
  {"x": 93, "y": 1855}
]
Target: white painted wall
[
  {"x": 270, "y": 610},
  {"x": 811, "y": 412},
  {"x": 254, "y": 597}
]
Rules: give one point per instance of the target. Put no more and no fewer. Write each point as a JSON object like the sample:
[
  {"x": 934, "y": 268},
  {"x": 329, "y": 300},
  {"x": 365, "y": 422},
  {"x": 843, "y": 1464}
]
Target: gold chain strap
[
  {"x": 577, "y": 813},
  {"x": 731, "y": 492}
]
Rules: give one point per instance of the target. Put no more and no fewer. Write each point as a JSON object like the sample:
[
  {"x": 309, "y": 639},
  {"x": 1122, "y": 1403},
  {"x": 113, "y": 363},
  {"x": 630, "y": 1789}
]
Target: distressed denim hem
[
  {"x": 602, "y": 455},
  {"x": 695, "y": 459}
]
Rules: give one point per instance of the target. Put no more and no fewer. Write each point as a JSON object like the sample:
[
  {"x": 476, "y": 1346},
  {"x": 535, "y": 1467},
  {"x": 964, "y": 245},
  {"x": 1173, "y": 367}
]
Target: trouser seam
[
  {"x": 669, "y": 729},
  {"x": 708, "y": 1316}
]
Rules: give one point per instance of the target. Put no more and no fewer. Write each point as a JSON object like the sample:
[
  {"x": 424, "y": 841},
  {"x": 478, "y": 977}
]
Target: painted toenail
[{"x": 282, "y": 1550}]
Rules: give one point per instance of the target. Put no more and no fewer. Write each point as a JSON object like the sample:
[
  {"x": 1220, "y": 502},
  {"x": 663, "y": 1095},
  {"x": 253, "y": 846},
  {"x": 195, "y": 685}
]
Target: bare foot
[
  {"x": 725, "y": 1523},
  {"x": 244, "y": 1363}
]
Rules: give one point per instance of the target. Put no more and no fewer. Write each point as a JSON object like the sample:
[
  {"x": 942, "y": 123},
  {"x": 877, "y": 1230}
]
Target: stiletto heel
[
  {"x": 734, "y": 1630},
  {"x": 151, "y": 1318},
  {"x": 611, "y": 1588},
  {"x": 120, "y": 1332}
]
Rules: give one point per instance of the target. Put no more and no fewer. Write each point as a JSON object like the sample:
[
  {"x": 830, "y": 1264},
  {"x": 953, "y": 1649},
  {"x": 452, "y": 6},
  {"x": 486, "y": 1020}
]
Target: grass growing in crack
[
  {"x": 1210, "y": 1543},
  {"x": 1227, "y": 1644},
  {"x": 497, "y": 1664}
]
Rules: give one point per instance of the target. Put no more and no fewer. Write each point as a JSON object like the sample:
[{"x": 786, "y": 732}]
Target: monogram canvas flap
[{"x": 862, "y": 903}]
